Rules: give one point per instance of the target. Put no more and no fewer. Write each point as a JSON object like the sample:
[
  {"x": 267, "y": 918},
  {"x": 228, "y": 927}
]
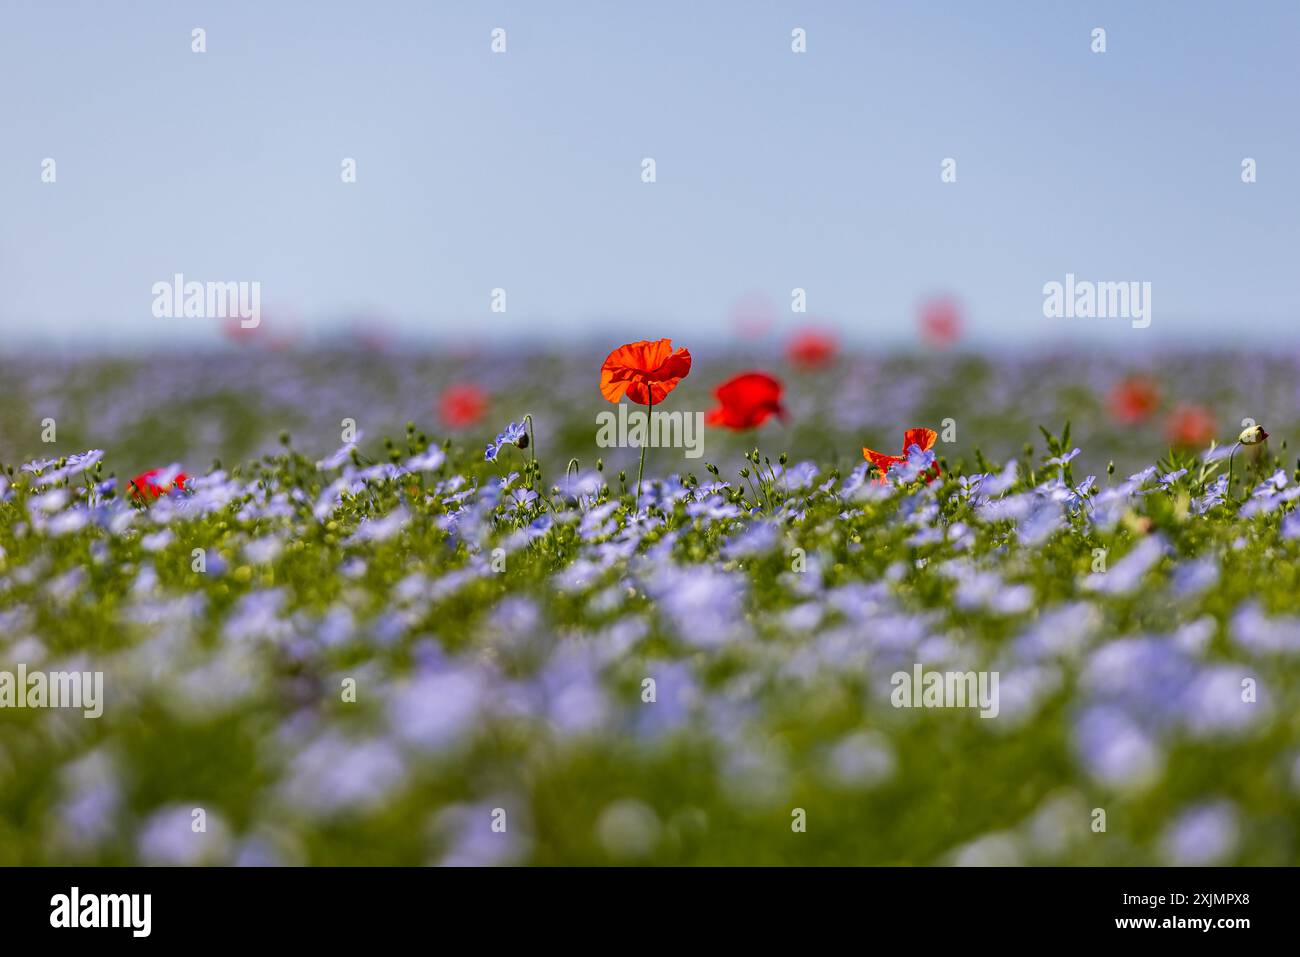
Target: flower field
[{"x": 332, "y": 630}]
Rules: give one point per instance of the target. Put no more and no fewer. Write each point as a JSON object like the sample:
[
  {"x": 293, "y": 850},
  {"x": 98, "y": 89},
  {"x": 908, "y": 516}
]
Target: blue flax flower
[{"x": 513, "y": 434}]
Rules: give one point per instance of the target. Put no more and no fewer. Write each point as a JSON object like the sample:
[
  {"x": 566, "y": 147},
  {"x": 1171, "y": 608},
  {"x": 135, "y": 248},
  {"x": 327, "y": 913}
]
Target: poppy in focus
[
  {"x": 917, "y": 444},
  {"x": 149, "y": 485},
  {"x": 746, "y": 401},
  {"x": 645, "y": 371},
  {"x": 940, "y": 322},
  {"x": 1190, "y": 426},
  {"x": 1134, "y": 399},
  {"x": 812, "y": 349},
  {"x": 461, "y": 405}
]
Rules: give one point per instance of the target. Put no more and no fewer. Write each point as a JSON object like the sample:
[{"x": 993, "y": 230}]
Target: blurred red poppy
[
  {"x": 145, "y": 487},
  {"x": 753, "y": 316},
  {"x": 461, "y": 405},
  {"x": 1134, "y": 399},
  {"x": 812, "y": 349},
  {"x": 236, "y": 331},
  {"x": 645, "y": 371},
  {"x": 277, "y": 335},
  {"x": 747, "y": 401},
  {"x": 1190, "y": 426},
  {"x": 922, "y": 438},
  {"x": 940, "y": 322}
]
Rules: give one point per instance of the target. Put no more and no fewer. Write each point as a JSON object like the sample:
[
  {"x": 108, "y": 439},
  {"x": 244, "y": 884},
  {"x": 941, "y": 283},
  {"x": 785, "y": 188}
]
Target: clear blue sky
[{"x": 775, "y": 170}]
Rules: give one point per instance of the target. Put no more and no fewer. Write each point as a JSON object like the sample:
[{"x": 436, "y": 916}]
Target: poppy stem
[{"x": 650, "y": 405}]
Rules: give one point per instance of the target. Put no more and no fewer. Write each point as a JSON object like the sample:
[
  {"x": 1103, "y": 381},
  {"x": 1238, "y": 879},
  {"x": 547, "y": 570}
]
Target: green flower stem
[
  {"x": 532, "y": 449},
  {"x": 641, "y": 470},
  {"x": 1228, "y": 491}
]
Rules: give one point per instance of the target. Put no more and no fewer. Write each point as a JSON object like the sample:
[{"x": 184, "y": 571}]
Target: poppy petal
[
  {"x": 925, "y": 438},
  {"x": 749, "y": 388},
  {"x": 746, "y": 401},
  {"x": 643, "y": 371},
  {"x": 880, "y": 460}
]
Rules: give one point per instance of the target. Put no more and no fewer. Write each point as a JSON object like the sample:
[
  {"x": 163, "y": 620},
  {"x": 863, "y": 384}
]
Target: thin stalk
[
  {"x": 650, "y": 405},
  {"x": 532, "y": 449},
  {"x": 1228, "y": 495},
  {"x": 533, "y": 470},
  {"x": 749, "y": 481}
]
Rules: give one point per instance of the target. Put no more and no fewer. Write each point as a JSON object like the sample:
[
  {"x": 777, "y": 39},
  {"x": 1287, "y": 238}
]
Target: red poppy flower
[
  {"x": 145, "y": 487},
  {"x": 812, "y": 349},
  {"x": 462, "y": 405},
  {"x": 1191, "y": 426},
  {"x": 940, "y": 322},
  {"x": 1134, "y": 399},
  {"x": 645, "y": 371},
  {"x": 747, "y": 401},
  {"x": 923, "y": 438}
]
